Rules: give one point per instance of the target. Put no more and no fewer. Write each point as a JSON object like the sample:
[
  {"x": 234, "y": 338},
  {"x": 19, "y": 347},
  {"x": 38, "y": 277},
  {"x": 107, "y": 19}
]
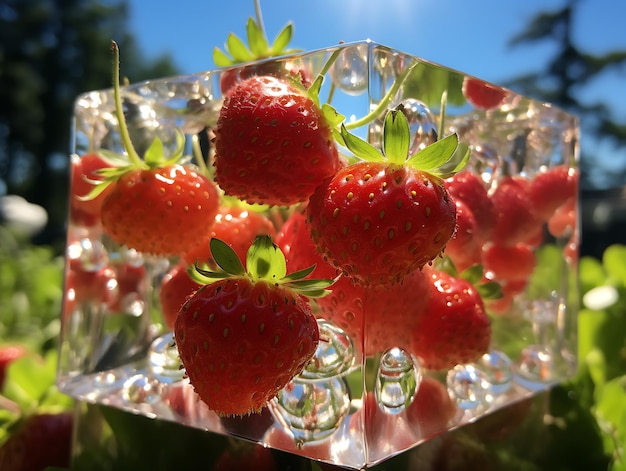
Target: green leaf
[
  {"x": 361, "y": 148},
  {"x": 154, "y": 153},
  {"x": 237, "y": 49},
  {"x": 265, "y": 260},
  {"x": 473, "y": 274},
  {"x": 256, "y": 39},
  {"x": 282, "y": 40},
  {"x": 225, "y": 257},
  {"x": 396, "y": 137},
  {"x": 332, "y": 116},
  {"x": 220, "y": 58},
  {"x": 298, "y": 275},
  {"x": 613, "y": 260},
  {"x": 490, "y": 290},
  {"x": 431, "y": 157}
]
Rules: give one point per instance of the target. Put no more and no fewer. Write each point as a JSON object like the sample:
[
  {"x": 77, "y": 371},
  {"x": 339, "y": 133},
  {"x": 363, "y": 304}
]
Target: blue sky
[{"x": 470, "y": 36}]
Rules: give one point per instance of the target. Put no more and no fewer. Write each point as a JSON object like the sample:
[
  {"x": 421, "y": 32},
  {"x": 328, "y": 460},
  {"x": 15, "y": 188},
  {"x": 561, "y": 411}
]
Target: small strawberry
[
  {"x": 37, "y": 442},
  {"x": 431, "y": 409},
  {"x": 515, "y": 219},
  {"x": 509, "y": 262},
  {"x": 381, "y": 218},
  {"x": 176, "y": 287},
  {"x": 552, "y": 188},
  {"x": 273, "y": 143},
  {"x": 86, "y": 212},
  {"x": 455, "y": 327},
  {"x": 243, "y": 336},
  {"x": 481, "y": 94},
  {"x": 154, "y": 205},
  {"x": 469, "y": 188},
  {"x": 464, "y": 248}
]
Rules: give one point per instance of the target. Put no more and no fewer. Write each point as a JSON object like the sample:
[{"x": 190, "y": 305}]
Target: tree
[
  {"x": 560, "y": 82},
  {"x": 51, "y": 51}
]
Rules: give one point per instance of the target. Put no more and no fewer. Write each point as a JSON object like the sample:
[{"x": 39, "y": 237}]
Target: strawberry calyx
[
  {"x": 474, "y": 274},
  {"x": 442, "y": 158},
  {"x": 237, "y": 52},
  {"x": 265, "y": 262},
  {"x": 121, "y": 164}
]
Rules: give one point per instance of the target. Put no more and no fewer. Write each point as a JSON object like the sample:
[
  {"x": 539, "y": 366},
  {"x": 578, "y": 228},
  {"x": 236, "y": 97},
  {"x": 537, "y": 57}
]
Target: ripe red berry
[{"x": 273, "y": 144}]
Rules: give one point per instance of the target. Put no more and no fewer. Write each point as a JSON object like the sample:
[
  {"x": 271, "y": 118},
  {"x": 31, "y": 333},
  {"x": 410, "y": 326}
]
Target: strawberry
[
  {"x": 552, "y": 188},
  {"x": 464, "y": 248},
  {"x": 243, "y": 336},
  {"x": 563, "y": 221},
  {"x": 8, "y": 354},
  {"x": 510, "y": 263},
  {"x": 455, "y": 328},
  {"x": 482, "y": 95},
  {"x": 431, "y": 409},
  {"x": 515, "y": 219},
  {"x": 273, "y": 143},
  {"x": 176, "y": 287},
  {"x": 154, "y": 204},
  {"x": 381, "y": 218},
  {"x": 39, "y": 441},
  {"x": 86, "y": 212},
  {"x": 469, "y": 188},
  {"x": 378, "y": 317},
  {"x": 237, "y": 226}
]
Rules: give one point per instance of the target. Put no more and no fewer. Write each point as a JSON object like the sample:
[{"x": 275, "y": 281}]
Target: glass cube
[{"x": 367, "y": 395}]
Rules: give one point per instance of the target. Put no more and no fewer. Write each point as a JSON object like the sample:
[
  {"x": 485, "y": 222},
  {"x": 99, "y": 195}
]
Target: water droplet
[
  {"x": 350, "y": 71},
  {"x": 334, "y": 355},
  {"x": 396, "y": 380},
  {"x": 421, "y": 124},
  {"x": 468, "y": 386},
  {"x": 313, "y": 410},
  {"x": 497, "y": 368},
  {"x": 163, "y": 359},
  {"x": 141, "y": 389},
  {"x": 535, "y": 369},
  {"x": 87, "y": 255}
]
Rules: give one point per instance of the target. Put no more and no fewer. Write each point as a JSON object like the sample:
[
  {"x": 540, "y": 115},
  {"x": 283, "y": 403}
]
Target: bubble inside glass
[{"x": 366, "y": 395}]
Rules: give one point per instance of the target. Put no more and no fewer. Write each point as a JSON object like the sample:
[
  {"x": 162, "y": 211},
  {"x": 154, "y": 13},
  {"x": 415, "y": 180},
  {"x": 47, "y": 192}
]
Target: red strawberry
[
  {"x": 563, "y": 221},
  {"x": 380, "y": 219},
  {"x": 509, "y": 263},
  {"x": 455, "y": 328},
  {"x": 550, "y": 189},
  {"x": 176, "y": 287},
  {"x": 237, "y": 226},
  {"x": 8, "y": 354},
  {"x": 469, "y": 188},
  {"x": 159, "y": 211},
  {"x": 482, "y": 95},
  {"x": 246, "y": 334},
  {"x": 431, "y": 409},
  {"x": 515, "y": 219},
  {"x": 154, "y": 204},
  {"x": 41, "y": 440},
  {"x": 464, "y": 248},
  {"x": 86, "y": 212},
  {"x": 273, "y": 143}
]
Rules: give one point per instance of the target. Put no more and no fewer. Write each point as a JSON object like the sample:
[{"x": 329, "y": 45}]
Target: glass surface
[{"x": 362, "y": 399}]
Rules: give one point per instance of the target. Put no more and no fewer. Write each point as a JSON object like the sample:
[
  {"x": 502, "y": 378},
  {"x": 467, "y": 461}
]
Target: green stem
[
  {"x": 199, "y": 157},
  {"x": 259, "y": 16},
  {"x": 126, "y": 141},
  {"x": 383, "y": 104}
]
